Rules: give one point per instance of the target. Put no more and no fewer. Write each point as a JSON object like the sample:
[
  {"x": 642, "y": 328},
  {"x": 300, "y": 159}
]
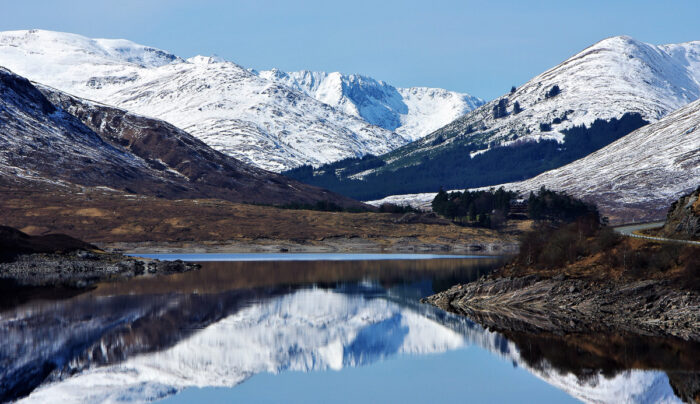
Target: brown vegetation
[
  {"x": 583, "y": 249},
  {"x": 107, "y": 216}
]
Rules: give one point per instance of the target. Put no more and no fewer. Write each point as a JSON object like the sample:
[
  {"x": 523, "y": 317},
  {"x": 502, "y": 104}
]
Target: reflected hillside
[{"x": 216, "y": 277}]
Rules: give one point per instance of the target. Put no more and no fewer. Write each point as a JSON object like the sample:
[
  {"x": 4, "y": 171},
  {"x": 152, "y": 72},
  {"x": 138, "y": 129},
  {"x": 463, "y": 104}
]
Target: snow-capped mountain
[
  {"x": 608, "y": 89},
  {"x": 58, "y": 140},
  {"x": 616, "y": 76},
  {"x": 250, "y": 116},
  {"x": 633, "y": 179},
  {"x": 411, "y": 112}
]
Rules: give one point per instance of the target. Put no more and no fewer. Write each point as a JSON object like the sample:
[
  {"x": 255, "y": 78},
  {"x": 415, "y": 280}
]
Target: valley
[
  {"x": 186, "y": 228},
  {"x": 202, "y": 224}
]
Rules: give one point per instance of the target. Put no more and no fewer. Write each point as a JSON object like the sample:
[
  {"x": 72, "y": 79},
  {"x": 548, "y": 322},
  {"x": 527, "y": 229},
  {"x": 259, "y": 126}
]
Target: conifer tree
[{"x": 516, "y": 108}]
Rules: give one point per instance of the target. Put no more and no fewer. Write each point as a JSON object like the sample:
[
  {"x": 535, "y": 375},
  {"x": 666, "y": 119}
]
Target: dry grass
[{"x": 114, "y": 217}]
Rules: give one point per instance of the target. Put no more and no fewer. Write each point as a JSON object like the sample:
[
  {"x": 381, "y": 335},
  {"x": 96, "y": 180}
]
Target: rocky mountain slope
[
  {"x": 254, "y": 117},
  {"x": 49, "y": 137},
  {"x": 411, "y": 112},
  {"x": 635, "y": 178},
  {"x": 565, "y": 113}
]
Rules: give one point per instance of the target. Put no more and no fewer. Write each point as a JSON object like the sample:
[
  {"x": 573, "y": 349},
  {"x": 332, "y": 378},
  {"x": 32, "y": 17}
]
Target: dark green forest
[
  {"x": 452, "y": 167},
  {"x": 474, "y": 208}
]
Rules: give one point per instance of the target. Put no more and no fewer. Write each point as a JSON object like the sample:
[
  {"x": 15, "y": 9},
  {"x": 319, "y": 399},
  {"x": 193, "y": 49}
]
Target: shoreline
[
  {"x": 406, "y": 245},
  {"x": 563, "y": 305},
  {"x": 81, "y": 269}
]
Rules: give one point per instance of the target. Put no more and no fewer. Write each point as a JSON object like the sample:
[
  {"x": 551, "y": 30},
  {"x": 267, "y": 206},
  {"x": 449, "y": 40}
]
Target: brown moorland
[{"x": 107, "y": 216}]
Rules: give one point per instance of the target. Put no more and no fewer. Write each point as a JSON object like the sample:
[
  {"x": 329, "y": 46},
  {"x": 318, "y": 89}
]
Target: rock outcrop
[
  {"x": 683, "y": 219},
  {"x": 61, "y": 260}
]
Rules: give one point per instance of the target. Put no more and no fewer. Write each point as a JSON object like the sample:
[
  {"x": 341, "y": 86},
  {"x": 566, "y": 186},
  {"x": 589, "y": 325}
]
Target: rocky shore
[
  {"x": 58, "y": 260},
  {"x": 81, "y": 268},
  {"x": 562, "y": 305}
]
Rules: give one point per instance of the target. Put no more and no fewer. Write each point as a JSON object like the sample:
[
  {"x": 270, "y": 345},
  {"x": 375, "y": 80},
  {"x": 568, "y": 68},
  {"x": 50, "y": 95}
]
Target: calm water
[{"x": 314, "y": 328}]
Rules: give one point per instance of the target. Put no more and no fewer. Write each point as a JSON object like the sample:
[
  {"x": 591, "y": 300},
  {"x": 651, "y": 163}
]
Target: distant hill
[{"x": 411, "y": 112}]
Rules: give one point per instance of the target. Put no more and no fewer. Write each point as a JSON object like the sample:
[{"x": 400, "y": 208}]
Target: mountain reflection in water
[{"x": 150, "y": 338}]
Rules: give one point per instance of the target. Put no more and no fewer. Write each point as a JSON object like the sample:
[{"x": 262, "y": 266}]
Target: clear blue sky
[{"x": 481, "y": 47}]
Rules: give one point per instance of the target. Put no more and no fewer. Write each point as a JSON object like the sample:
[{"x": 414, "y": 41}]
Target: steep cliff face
[{"x": 683, "y": 219}]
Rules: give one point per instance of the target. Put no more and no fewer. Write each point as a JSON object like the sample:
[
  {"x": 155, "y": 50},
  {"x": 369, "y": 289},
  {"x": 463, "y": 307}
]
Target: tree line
[{"x": 475, "y": 208}]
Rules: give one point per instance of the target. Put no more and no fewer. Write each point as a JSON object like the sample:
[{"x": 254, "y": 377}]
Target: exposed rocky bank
[
  {"x": 83, "y": 268},
  {"x": 563, "y": 305}
]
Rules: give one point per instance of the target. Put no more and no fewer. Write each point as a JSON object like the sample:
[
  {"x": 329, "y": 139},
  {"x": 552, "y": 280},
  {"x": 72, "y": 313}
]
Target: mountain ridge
[
  {"x": 257, "y": 120},
  {"x": 632, "y": 179},
  {"x": 602, "y": 93},
  {"x": 60, "y": 140}
]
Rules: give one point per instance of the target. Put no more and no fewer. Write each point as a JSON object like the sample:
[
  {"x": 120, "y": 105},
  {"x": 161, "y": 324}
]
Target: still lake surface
[{"x": 314, "y": 328}]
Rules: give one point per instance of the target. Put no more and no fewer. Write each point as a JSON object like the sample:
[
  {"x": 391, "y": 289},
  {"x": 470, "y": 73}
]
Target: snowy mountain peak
[
  {"x": 613, "y": 77},
  {"x": 66, "y": 48},
  {"x": 271, "y": 119},
  {"x": 199, "y": 59},
  {"x": 411, "y": 112}
]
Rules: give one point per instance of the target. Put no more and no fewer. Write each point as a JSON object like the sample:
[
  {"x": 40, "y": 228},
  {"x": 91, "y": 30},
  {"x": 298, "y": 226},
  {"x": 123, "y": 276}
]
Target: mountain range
[
  {"x": 52, "y": 140},
  {"x": 588, "y": 101},
  {"x": 270, "y": 119},
  {"x": 601, "y": 125}
]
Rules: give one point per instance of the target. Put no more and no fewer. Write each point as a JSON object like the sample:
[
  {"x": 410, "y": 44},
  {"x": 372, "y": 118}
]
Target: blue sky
[{"x": 480, "y": 47}]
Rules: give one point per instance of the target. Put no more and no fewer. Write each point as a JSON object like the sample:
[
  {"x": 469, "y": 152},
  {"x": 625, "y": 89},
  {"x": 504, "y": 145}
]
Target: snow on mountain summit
[
  {"x": 70, "y": 49},
  {"x": 273, "y": 120},
  {"x": 411, "y": 112},
  {"x": 615, "y": 76}
]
